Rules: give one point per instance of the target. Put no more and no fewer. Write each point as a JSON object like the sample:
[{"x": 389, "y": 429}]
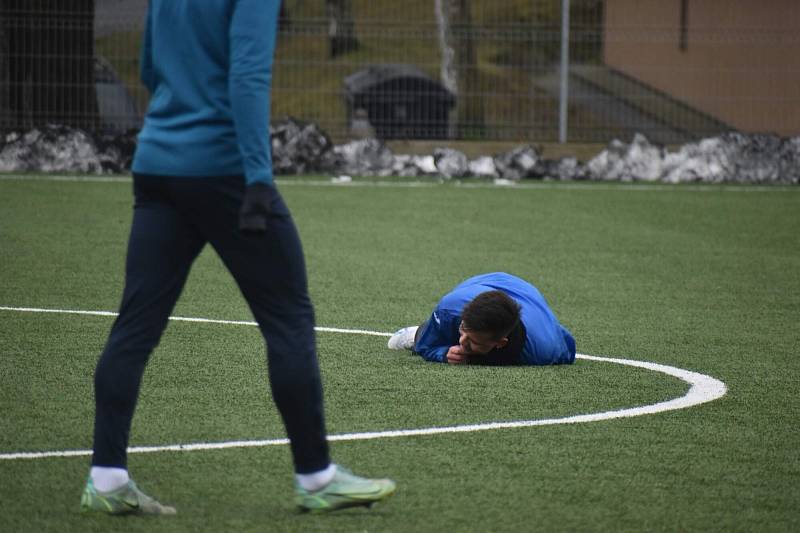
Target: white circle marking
[{"x": 703, "y": 389}]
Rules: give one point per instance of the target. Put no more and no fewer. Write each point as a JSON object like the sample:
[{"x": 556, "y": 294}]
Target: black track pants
[{"x": 173, "y": 220}]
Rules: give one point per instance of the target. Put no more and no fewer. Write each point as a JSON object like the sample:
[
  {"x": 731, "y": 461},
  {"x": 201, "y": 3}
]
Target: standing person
[
  {"x": 202, "y": 173},
  {"x": 490, "y": 319}
]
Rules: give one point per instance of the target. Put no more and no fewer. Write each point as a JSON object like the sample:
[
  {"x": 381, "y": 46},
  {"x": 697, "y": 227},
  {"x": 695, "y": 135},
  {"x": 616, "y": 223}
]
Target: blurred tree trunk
[
  {"x": 47, "y": 59},
  {"x": 284, "y": 19},
  {"x": 341, "y": 27},
  {"x": 469, "y": 103}
]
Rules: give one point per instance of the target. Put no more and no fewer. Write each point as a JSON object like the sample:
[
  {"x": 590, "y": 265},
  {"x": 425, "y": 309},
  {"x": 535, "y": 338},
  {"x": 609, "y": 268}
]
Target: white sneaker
[{"x": 403, "y": 339}]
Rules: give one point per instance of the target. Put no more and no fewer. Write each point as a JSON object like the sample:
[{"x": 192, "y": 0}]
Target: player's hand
[
  {"x": 256, "y": 208},
  {"x": 456, "y": 356}
]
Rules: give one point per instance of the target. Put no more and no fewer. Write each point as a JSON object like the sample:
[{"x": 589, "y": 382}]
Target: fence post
[{"x": 564, "y": 85}]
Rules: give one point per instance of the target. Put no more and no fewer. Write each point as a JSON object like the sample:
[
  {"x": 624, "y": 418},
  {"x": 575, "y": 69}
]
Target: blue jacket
[
  {"x": 546, "y": 341},
  {"x": 208, "y": 66}
]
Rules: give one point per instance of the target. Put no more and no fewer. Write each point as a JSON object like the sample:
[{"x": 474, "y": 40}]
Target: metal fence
[{"x": 436, "y": 69}]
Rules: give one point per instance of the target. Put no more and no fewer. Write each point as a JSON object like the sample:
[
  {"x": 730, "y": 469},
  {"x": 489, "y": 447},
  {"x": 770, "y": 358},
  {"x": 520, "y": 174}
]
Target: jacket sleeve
[
  {"x": 438, "y": 334},
  {"x": 254, "y": 25}
]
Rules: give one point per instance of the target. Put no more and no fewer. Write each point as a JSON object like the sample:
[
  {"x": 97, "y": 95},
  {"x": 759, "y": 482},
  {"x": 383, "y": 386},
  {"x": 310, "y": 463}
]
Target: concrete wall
[{"x": 741, "y": 62}]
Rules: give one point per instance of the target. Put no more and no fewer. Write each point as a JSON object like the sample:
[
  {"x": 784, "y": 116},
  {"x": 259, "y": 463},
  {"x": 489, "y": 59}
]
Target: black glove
[{"x": 256, "y": 207}]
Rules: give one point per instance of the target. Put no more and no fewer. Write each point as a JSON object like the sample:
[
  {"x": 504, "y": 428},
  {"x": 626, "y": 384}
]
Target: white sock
[
  {"x": 108, "y": 478},
  {"x": 316, "y": 480}
]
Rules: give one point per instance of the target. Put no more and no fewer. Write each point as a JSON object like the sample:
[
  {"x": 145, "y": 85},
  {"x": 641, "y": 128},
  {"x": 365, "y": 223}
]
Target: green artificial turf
[{"x": 702, "y": 278}]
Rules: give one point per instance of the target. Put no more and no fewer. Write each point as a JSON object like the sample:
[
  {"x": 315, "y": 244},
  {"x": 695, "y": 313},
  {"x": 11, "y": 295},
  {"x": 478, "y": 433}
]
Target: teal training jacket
[{"x": 208, "y": 66}]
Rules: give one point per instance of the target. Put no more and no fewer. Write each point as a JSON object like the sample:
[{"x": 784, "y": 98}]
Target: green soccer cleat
[
  {"x": 127, "y": 499},
  {"x": 344, "y": 490}
]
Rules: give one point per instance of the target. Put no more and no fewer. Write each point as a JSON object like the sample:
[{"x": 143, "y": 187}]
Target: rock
[
  {"x": 518, "y": 163},
  {"x": 566, "y": 169},
  {"x": 450, "y": 163},
  {"x": 50, "y": 149},
  {"x": 638, "y": 161},
  {"x": 299, "y": 147},
  {"x": 483, "y": 167},
  {"x": 302, "y": 148},
  {"x": 425, "y": 163},
  {"x": 115, "y": 151},
  {"x": 365, "y": 157}
]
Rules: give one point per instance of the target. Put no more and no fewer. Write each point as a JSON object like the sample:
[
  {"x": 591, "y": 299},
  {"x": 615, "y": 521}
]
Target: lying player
[{"x": 490, "y": 319}]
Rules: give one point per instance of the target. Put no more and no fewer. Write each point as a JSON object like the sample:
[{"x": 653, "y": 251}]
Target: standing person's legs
[
  {"x": 270, "y": 271},
  {"x": 161, "y": 249}
]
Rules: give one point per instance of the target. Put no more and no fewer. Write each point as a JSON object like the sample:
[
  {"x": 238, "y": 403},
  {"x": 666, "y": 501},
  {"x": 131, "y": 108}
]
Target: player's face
[{"x": 475, "y": 342}]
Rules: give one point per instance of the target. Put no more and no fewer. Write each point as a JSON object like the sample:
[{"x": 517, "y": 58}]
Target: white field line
[
  {"x": 703, "y": 389},
  {"x": 183, "y": 319},
  {"x": 434, "y": 182}
]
